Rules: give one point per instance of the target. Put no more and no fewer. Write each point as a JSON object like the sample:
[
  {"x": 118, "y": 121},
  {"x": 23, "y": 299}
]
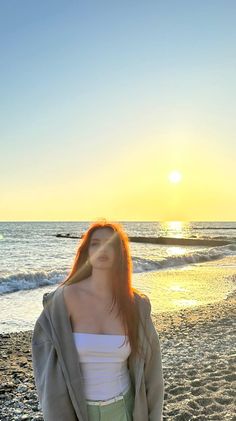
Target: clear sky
[{"x": 101, "y": 100}]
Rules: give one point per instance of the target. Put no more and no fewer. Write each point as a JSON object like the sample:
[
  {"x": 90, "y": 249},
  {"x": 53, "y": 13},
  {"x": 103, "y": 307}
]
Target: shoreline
[
  {"x": 170, "y": 289},
  {"x": 187, "y": 288},
  {"x": 198, "y": 356}
]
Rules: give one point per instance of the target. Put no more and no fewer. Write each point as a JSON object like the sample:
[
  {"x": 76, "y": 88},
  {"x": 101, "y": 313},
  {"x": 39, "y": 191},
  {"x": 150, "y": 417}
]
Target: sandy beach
[{"x": 199, "y": 363}]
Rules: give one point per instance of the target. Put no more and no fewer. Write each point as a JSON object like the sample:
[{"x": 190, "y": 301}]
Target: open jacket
[{"x": 57, "y": 371}]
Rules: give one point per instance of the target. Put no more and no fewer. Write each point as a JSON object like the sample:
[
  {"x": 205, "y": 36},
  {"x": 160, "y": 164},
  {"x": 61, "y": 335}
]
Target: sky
[{"x": 101, "y": 101}]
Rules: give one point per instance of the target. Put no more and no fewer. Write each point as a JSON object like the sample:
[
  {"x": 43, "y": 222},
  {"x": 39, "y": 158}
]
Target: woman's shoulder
[
  {"x": 143, "y": 301},
  {"x": 140, "y": 295}
]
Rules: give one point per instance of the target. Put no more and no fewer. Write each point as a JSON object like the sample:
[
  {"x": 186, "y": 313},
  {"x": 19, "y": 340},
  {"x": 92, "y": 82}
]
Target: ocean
[{"x": 35, "y": 260}]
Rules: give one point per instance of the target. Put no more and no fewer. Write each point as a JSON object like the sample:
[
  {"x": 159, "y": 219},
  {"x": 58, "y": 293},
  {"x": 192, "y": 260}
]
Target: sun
[{"x": 175, "y": 177}]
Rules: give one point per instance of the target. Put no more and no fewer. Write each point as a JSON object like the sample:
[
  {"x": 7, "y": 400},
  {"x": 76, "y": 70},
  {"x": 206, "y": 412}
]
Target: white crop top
[{"x": 103, "y": 362}]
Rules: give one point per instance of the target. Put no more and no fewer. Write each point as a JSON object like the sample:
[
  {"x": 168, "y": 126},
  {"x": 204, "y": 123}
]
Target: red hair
[{"x": 122, "y": 289}]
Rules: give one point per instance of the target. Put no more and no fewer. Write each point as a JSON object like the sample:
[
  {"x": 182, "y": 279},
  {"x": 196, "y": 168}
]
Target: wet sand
[
  {"x": 188, "y": 286},
  {"x": 199, "y": 365}
]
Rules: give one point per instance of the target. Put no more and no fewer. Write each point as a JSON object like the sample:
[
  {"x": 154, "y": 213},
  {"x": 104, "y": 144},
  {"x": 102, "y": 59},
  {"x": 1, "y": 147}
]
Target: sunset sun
[{"x": 175, "y": 177}]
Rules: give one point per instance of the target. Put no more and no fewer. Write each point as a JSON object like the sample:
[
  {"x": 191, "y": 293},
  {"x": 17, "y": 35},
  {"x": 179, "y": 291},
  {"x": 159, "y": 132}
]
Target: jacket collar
[{"x": 61, "y": 332}]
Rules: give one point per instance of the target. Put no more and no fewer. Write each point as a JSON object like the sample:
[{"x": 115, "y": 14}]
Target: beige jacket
[{"x": 57, "y": 370}]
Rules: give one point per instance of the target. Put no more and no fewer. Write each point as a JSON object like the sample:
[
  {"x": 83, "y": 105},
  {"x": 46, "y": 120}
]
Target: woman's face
[{"x": 102, "y": 245}]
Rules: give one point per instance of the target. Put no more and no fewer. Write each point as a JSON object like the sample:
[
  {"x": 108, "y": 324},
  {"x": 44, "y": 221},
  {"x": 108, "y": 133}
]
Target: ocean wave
[
  {"x": 197, "y": 256},
  {"x": 31, "y": 280}
]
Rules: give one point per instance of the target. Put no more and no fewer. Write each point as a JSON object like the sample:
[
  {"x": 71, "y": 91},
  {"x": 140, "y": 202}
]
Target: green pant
[{"x": 121, "y": 410}]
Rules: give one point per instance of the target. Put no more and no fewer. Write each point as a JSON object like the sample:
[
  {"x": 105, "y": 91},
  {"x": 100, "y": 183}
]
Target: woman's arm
[
  {"x": 50, "y": 383},
  {"x": 153, "y": 373}
]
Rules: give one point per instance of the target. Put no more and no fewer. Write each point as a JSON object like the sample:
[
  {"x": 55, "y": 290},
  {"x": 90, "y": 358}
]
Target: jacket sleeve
[
  {"x": 153, "y": 374},
  {"x": 51, "y": 387}
]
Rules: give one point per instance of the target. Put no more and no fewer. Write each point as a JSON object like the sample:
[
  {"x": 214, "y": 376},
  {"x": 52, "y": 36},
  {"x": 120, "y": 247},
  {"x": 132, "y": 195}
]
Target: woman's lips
[{"x": 103, "y": 258}]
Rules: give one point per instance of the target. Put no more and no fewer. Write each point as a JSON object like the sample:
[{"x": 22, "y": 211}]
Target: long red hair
[{"x": 122, "y": 289}]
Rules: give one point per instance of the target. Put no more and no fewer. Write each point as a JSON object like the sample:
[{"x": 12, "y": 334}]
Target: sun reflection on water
[
  {"x": 185, "y": 303},
  {"x": 178, "y": 288}
]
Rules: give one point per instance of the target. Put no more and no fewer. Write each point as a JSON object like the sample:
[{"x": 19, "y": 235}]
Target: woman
[{"x": 96, "y": 353}]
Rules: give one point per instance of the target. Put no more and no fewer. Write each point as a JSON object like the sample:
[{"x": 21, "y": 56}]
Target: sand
[
  {"x": 199, "y": 362},
  {"x": 199, "y": 365}
]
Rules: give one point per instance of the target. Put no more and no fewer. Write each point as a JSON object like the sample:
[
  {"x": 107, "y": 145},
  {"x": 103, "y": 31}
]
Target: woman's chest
[{"x": 93, "y": 318}]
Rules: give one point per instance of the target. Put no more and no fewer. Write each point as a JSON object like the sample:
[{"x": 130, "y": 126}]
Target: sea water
[{"x": 33, "y": 261}]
